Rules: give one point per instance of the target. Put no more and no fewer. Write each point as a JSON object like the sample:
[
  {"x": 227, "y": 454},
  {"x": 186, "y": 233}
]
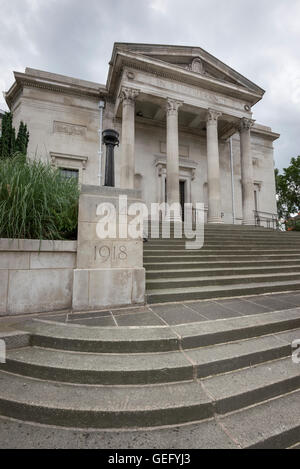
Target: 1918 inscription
[{"x": 113, "y": 253}]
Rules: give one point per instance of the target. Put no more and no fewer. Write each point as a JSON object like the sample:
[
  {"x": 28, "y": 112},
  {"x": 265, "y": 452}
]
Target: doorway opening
[
  {"x": 182, "y": 187},
  {"x": 182, "y": 197}
]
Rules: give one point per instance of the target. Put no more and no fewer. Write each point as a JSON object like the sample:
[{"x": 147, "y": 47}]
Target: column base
[
  {"x": 215, "y": 221},
  {"x": 249, "y": 222}
]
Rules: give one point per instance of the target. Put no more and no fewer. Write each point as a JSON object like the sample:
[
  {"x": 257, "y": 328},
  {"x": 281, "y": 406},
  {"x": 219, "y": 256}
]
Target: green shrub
[
  {"x": 36, "y": 201},
  {"x": 297, "y": 226}
]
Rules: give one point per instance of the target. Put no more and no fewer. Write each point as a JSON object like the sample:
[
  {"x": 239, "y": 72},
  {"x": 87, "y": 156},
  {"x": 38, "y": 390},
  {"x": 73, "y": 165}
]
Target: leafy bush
[
  {"x": 297, "y": 226},
  {"x": 36, "y": 201}
]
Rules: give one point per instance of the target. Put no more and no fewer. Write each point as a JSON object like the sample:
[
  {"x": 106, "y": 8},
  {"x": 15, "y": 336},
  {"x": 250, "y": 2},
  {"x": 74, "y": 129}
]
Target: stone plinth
[{"x": 109, "y": 271}]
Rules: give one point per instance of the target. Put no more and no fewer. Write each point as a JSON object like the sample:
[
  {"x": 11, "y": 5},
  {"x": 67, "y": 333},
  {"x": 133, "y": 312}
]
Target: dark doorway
[
  {"x": 255, "y": 201},
  {"x": 182, "y": 197}
]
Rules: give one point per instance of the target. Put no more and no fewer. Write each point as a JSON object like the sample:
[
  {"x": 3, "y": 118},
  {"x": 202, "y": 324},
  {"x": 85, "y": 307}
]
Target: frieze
[
  {"x": 69, "y": 129},
  {"x": 212, "y": 97}
]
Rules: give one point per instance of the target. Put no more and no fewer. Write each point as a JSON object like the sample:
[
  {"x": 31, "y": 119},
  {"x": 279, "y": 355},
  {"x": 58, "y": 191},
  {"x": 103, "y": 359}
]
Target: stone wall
[{"x": 36, "y": 276}]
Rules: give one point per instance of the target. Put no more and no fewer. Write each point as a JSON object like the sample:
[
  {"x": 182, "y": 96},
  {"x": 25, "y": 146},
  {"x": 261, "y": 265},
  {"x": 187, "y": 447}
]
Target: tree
[
  {"x": 22, "y": 139},
  {"x": 9, "y": 144},
  {"x": 7, "y": 140},
  {"x": 288, "y": 189}
]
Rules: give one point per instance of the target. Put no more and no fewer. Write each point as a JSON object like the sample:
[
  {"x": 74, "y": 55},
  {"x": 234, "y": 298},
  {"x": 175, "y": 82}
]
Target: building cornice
[
  {"x": 23, "y": 80},
  {"x": 264, "y": 132},
  {"x": 63, "y": 156}
]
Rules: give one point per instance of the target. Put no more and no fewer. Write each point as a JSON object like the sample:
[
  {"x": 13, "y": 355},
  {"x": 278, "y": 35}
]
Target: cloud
[
  {"x": 259, "y": 39},
  {"x": 160, "y": 5}
]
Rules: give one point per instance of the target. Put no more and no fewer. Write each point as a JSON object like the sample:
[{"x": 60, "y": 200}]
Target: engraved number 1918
[{"x": 115, "y": 253}]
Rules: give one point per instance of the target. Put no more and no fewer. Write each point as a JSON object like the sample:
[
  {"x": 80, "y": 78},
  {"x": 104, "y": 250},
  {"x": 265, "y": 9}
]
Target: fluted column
[
  {"x": 213, "y": 167},
  {"x": 247, "y": 172},
  {"x": 173, "y": 155},
  {"x": 127, "y": 97}
]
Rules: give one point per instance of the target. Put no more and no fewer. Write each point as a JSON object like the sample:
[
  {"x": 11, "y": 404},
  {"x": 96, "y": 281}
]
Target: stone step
[
  {"x": 147, "y": 406},
  {"x": 191, "y": 273},
  {"x": 104, "y": 369},
  {"x": 204, "y": 252},
  {"x": 27, "y": 435},
  {"x": 273, "y": 424},
  {"x": 219, "y": 232},
  {"x": 167, "y": 283},
  {"x": 102, "y": 340},
  {"x": 242, "y": 257},
  {"x": 226, "y": 230},
  {"x": 189, "y": 264},
  {"x": 173, "y": 237},
  {"x": 246, "y": 387},
  {"x": 207, "y": 334},
  {"x": 158, "y": 339},
  {"x": 208, "y": 241},
  {"x": 218, "y": 226},
  {"x": 157, "y": 368},
  {"x": 171, "y": 250},
  {"x": 239, "y": 237},
  {"x": 217, "y": 291},
  {"x": 209, "y": 251},
  {"x": 225, "y": 241},
  {"x": 102, "y": 406}
]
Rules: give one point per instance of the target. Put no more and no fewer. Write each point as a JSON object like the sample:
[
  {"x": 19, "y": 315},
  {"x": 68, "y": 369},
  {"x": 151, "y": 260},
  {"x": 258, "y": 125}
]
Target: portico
[{"x": 212, "y": 123}]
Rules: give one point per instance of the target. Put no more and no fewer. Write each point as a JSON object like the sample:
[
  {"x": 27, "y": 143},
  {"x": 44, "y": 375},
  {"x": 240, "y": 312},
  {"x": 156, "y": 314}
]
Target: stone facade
[
  {"x": 36, "y": 276},
  {"x": 179, "y": 111}
]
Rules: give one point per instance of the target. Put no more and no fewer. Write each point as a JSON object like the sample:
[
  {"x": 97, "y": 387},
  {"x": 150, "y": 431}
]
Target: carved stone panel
[{"x": 69, "y": 129}]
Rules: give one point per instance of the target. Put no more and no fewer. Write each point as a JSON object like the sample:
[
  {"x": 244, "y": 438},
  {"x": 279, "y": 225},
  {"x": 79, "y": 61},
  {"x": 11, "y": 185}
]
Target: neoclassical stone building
[{"x": 185, "y": 121}]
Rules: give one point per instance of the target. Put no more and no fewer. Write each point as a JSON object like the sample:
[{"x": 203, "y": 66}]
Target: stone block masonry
[{"x": 36, "y": 276}]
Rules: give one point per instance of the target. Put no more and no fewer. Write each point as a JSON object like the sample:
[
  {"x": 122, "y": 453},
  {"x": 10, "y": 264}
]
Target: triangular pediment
[{"x": 193, "y": 59}]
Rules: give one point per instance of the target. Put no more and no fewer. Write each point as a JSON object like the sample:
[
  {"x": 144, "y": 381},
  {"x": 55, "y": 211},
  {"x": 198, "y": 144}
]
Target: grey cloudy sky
[{"x": 260, "y": 39}]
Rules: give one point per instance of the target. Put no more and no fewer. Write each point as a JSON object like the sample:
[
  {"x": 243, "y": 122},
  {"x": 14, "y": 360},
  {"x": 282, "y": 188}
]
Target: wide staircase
[
  {"x": 235, "y": 261},
  {"x": 217, "y": 384}
]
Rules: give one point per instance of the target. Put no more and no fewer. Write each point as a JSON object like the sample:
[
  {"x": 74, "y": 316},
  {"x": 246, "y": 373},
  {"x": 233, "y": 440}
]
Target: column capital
[
  {"x": 128, "y": 95},
  {"x": 213, "y": 116},
  {"x": 246, "y": 123},
  {"x": 172, "y": 106}
]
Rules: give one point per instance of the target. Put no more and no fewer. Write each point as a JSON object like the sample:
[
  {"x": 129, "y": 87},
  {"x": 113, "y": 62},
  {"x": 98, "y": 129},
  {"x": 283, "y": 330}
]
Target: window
[
  {"x": 70, "y": 165},
  {"x": 70, "y": 173}
]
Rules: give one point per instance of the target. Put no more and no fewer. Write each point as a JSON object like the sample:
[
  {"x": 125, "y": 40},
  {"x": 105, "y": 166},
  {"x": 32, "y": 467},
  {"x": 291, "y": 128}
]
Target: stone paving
[{"x": 179, "y": 313}]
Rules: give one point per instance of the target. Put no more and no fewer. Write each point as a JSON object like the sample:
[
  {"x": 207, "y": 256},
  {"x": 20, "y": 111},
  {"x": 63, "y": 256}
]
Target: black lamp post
[{"x": 110, "y": 139}]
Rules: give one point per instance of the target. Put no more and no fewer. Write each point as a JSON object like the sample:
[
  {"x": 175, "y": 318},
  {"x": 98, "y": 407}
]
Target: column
[
  {"x": 213, "y": 167},
  {"x": 247, "y": 172},
  {"x": 127, "y": 97},
  {"x": 173, "y": 156}
]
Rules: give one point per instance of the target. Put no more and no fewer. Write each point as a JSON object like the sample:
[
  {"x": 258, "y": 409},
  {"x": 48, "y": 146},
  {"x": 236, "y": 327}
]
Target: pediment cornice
[
  {"x": 175, "y": 73},
  {"x": 153, "y": 60}
]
